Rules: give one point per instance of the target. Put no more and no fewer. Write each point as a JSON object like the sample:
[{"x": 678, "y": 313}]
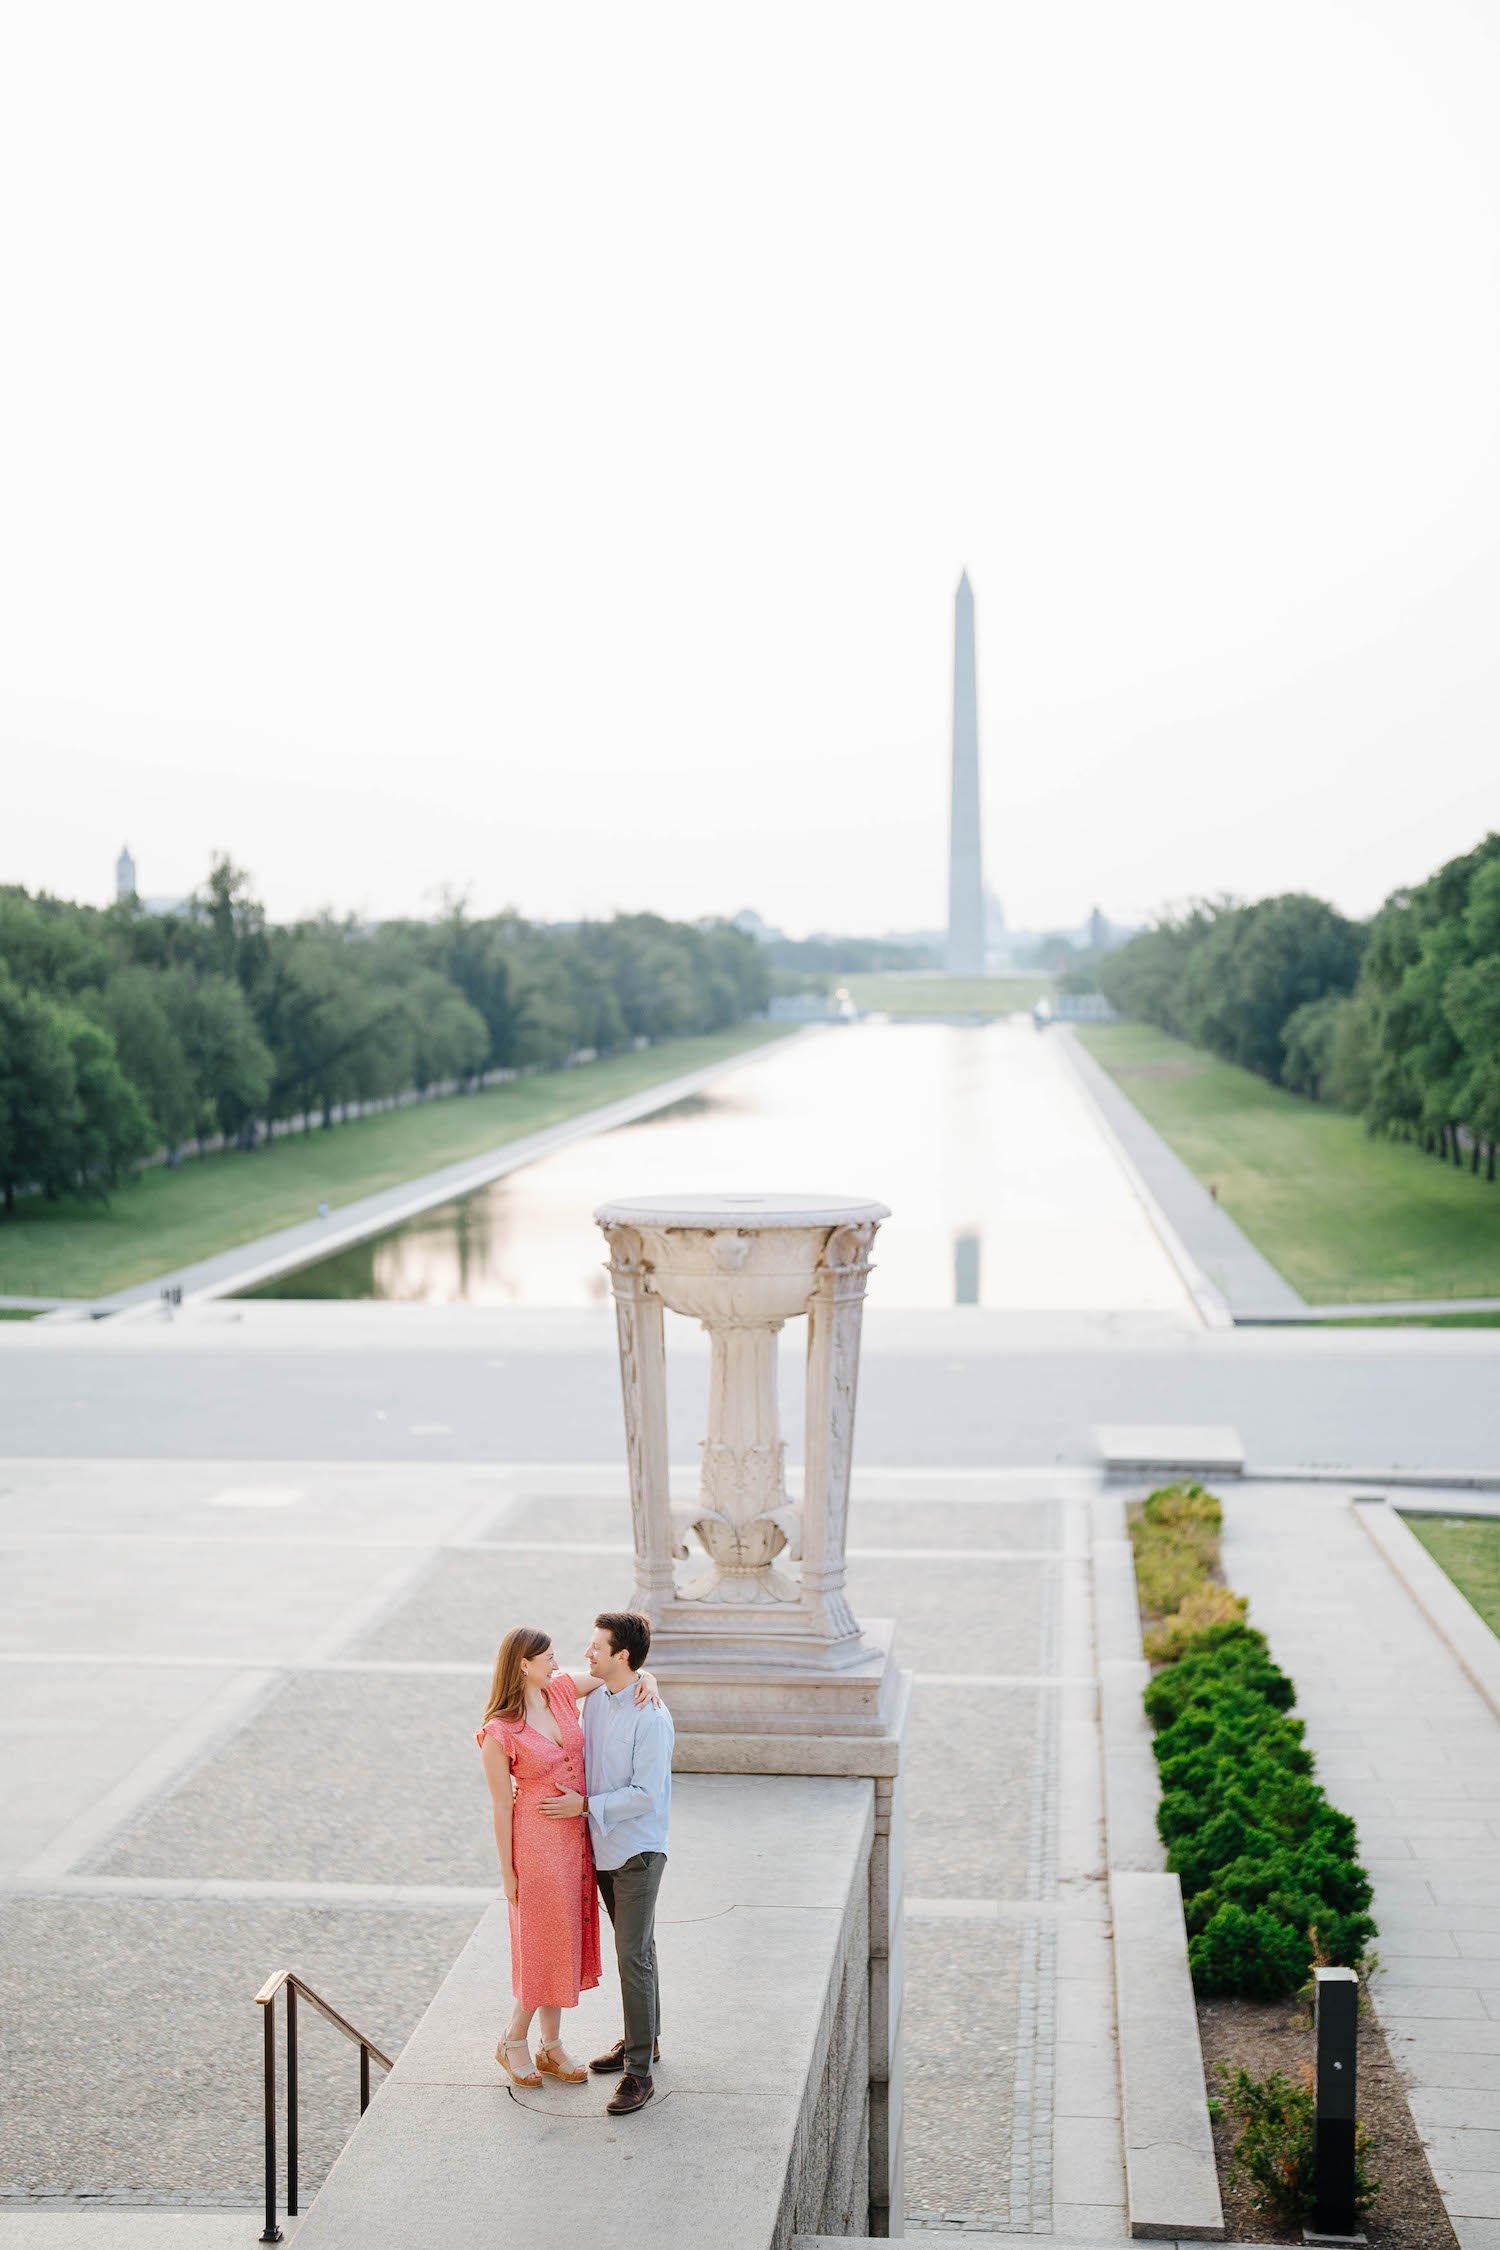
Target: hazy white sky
[{"x": 534, "y": 448}]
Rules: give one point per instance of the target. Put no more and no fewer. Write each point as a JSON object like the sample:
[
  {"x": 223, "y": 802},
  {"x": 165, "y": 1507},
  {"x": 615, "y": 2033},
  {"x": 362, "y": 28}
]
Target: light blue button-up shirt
[{"x": 627, "y": 1756}]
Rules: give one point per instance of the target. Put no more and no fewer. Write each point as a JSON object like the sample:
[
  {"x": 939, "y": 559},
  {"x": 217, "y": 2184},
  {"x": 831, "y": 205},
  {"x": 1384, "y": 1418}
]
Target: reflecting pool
[{"x": 1003, "y": 1187}]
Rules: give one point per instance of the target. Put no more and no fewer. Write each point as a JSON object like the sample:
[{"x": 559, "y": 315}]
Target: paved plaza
[
  {"x": 238, "y": 1702},
  {"x": 237, "y": 1699}
]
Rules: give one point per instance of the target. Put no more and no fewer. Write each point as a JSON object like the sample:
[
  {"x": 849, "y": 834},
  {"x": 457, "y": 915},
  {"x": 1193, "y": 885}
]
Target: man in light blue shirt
[{"x": 627, "y": 1749}]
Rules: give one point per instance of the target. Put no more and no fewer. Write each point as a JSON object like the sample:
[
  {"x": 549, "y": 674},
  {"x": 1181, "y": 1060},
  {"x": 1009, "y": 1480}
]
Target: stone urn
[{"x": 761, "y": 1603}]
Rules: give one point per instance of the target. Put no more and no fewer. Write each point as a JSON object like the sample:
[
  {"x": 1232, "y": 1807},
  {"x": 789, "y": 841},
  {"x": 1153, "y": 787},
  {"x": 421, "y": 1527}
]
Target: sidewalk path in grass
[
  {"x": 1249, "y": 1282},
  {"x": 1406, "y": 1744}
]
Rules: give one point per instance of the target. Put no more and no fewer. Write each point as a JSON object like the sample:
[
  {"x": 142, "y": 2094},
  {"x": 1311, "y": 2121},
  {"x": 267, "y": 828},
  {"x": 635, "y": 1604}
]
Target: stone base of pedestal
[
  {"x": 716, "y": 1637},
  {"x": 754, "y": 1692},
  {"x": 877, "y": 1756}
]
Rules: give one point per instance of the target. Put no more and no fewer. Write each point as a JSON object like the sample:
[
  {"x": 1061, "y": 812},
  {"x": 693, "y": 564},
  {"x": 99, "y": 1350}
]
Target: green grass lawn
[
  {"x": 1345, "y": 1217},
  {"x": 160, "y": 1220},
  {"x": 1468, "y": 1548},
  {"x": 924, "y": 992}
]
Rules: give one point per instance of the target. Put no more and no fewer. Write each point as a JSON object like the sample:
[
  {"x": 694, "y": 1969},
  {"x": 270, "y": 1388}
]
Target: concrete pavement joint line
[
  {"x": 379, "y": 1603},
  {"x": 853, "y": 1554},
  {"x": 436, "y": 1668},
  {"x": 1435, "y": 1480},
  {"x": 286, "y": 1667},
  {"x": 227, "y": 1890},
  {"x": 65, "y": 2201},
  {"x": 191, "y": 1538},
  {"x": 225, "y": 1712},
  {"x": 326, "y": 1540},
  {"x": 512, "y": 1479},
  {"x": 1002, "y": 1679}
]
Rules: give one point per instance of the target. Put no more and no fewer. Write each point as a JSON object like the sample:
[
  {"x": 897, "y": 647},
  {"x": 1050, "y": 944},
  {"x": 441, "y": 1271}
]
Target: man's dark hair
[{"x": 629, "y": 1634}]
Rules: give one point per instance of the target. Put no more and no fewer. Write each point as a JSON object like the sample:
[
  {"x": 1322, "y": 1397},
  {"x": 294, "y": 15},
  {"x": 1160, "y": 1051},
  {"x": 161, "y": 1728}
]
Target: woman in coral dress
[{"x": 532, "y": 1745}]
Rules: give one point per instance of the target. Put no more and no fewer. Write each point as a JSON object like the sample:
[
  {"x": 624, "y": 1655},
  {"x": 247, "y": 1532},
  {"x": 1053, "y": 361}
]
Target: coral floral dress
[{"x": 554, "y": 1925}]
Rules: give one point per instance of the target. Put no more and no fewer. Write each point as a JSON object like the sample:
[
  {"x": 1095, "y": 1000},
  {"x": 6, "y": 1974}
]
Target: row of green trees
[
  {"x": 1397, "y": 1019},
  {"x": 123, "y": 1031}
]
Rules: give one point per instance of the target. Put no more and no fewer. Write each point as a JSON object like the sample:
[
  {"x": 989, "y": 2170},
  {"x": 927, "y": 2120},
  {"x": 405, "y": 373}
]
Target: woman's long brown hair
[{"x": 507, "y": 1688}]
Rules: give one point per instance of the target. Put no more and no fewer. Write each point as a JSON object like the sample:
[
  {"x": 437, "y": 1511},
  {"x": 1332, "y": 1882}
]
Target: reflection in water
[
  {"x": 1002, "y": 1188},
  {"x": 691, "y": 1105}
]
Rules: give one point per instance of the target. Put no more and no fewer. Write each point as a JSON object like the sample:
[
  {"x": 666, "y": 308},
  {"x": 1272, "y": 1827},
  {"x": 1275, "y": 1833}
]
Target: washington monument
[{"x": 965, "y": 957}]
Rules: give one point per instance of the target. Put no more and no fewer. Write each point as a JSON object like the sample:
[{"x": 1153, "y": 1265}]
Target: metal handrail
[{"x": 266, "y": 2000}]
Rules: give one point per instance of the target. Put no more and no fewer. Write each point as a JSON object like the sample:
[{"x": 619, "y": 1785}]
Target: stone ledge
[
  {"x": 1171, "y": 2178},
  {"x": 869, "y": 1756},
  {"x": 1170, "y": 1449},
  {"x": 764, "y": 1913},
  {"x": 1130, "y": 1783},
  {"x": 1449, "y": 1612}
]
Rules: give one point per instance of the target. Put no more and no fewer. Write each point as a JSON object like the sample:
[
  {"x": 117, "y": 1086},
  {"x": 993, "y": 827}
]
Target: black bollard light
[{"x": 1336, "y": 2022}]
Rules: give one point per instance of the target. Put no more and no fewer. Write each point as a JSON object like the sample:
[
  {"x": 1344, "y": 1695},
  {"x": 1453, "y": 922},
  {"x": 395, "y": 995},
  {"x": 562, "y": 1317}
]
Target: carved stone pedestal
[
  {"x": 756, "y": 1637},
  {"x": 762, "y": 1661}
]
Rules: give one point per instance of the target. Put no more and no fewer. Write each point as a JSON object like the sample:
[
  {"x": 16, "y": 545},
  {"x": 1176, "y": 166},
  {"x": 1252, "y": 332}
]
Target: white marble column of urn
[
  {"x": 743, "y": 1266},
  {"x": 643, "y": 1385}
]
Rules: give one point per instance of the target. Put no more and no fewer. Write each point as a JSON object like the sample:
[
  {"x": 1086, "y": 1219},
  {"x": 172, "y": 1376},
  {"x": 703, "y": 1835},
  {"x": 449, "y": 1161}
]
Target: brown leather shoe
[
  {"x": 607, "y": 2065},
  {"x": 631, "y": 2093}
]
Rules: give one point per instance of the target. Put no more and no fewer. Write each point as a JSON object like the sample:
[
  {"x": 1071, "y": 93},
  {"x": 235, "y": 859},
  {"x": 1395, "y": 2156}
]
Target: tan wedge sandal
[
  {"x": 567, "y": 2073},
  {"x": 519, "y": 2078}
]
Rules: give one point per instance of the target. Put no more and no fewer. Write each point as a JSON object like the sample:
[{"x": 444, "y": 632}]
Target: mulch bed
[{"x": 1264, "y": 2036}]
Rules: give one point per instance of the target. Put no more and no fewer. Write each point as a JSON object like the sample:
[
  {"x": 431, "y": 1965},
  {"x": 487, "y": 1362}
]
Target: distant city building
[
  {"x": 812, "y": 1007},
  {"x": 999, "y": 942},
  {"x": 965, "y": 956},
  {"x": 127, "y": 887},
  {"x": 751, "y": 923}
]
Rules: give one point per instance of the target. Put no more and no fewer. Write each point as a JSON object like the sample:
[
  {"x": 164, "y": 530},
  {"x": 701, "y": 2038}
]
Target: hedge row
[{"x": 1270, "y": 1870}]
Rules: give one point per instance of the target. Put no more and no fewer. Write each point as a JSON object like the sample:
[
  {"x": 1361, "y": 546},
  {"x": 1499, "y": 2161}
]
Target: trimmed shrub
[
  {"x": 1217, "y": 1655},
  {"x": 1249, "y": 1951},
  {"x": 1274, "y": 2151},
  {"x": 1177, "y": 1546},
  {"x": 1176, "y": 1542},
  {"x": 1204, "y": 1606},
  {"x": 1181, "y": 1505},
  {"x": 1168, "y": 1568},
  {"x": 1270, "y": 1871}
]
